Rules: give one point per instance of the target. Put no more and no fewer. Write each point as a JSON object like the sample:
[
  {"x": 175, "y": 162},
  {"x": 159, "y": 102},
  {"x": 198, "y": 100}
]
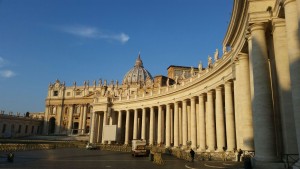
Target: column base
[
  {"x": 296, "y": 165},
  {"x": 200, "y": 150},
  {"x": 264, "y": 164}
]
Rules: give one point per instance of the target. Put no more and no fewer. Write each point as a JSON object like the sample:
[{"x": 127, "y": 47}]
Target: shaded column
[
  {"x": 159, "y": 125},
  {"x": 46, "y": 121},
  {"x": 202, "y": 123},
  {"x": 184, "y": 123},
  {"x": 59, "y": 119},
  {"x": 135, "y": 124},
  {"x": 151, "y": 132},
  {"x": 119, "y": 130},
  {"x": 264, "y": 135},
  {"x": 293, "y": 41},
  {"x": 168, "y": 126},
  {"x": 84, "y": 119},
  {"x": 230, "y": 133},
  {"x": 220, "y": 120},
  {"x": 127, "y": 127},
  {"x": 104, "y": 123},
  {"x": 237, "y": 107},
  {"x": 93, "y": 126},
  {"x": 210, "y": 127},
  {"x": 176, "y": 125},
  {"x": 99, "y": 128},
  {"x": 70, "y": 119},
  {"x": 143, "y": 124},
  {"x": 284, "y": 87},
  {"x": 193, "y": 123}
]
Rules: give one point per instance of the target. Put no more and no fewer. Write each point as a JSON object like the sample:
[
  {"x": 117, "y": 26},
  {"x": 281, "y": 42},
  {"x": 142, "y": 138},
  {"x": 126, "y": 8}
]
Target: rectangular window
[
  {"x": 55, "y": 93},
  {"x": 3, "y": 128},
  {"x": 78, "y": 93},
  {"x": 19, "y": 129},
  {"x": 68, "y": 93},
  {"x": 32, "y": 129},
  {"x": 26, "y": 129}
]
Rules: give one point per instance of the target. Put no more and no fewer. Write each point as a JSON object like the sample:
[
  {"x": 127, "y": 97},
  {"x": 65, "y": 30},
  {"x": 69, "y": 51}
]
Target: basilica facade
[{"x": 246, "y": 98}]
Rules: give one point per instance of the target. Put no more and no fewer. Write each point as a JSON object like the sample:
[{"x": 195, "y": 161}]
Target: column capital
[
  {"x": 228, "y": 83},
  {"x": 243, "y": 56},
  {"x": 218, "y": 88},
  {"x": 277, "y": 23},
  {"x": 257, "y": 26},
  {"x": 193, "y": 97},
  {"x": 210, "y": 92},
  {"x": 285, "y": 2}
]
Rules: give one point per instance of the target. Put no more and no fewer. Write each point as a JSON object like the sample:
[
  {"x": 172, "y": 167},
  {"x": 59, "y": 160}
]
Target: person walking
[{"x": 192, "y": 153}]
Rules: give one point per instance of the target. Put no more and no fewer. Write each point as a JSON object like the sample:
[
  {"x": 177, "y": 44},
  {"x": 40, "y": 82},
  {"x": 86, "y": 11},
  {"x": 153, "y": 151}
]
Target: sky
[{"x": 80, "y": 40}]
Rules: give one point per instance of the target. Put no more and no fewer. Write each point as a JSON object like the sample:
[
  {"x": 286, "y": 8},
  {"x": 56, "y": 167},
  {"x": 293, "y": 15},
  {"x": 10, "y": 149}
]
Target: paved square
[{"x": 90, "y": 159}]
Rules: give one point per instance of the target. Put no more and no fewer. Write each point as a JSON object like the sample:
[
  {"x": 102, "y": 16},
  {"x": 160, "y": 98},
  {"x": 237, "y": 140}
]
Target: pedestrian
[{"x": 192, "y": 153}]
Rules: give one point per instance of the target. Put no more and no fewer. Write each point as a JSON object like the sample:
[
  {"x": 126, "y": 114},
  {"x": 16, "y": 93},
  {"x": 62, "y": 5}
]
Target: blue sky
[{"x": 78, "y": 40}]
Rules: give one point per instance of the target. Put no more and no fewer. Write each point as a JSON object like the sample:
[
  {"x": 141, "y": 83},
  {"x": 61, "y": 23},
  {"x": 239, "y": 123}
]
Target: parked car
[{"x": 91, "y": 146}]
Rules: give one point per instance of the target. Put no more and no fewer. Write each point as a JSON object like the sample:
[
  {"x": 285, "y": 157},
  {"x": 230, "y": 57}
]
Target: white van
[{"x": 138, "y": 148}]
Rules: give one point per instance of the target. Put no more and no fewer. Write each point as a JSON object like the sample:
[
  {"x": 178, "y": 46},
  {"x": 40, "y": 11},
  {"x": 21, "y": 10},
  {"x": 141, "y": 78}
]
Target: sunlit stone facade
[{"x": 246, "y": 98}]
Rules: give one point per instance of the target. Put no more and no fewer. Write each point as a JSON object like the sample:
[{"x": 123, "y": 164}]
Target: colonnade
[{"x": 205, "y": 122}]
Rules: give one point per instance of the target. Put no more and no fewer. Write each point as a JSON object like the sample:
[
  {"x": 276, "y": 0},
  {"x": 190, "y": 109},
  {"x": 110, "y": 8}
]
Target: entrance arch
[{"x": 51, "y": 125}]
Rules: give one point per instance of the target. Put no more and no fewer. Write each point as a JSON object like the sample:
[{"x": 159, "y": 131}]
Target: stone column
[
  {"x": 135, "y": 124},
  {"x": 293, "y": 46},
  {"x": 220, "y": 126},
  {"x": 237, "y": 107},
  {"x": 159, "y": 125},
  {"x": 127, "y": 127},
  {"x": 211, "y": 137},
  {"x": 230, "y": 133},
  {"x": 144, "y": 124},
  {"x": 202, "y": 123},
  {"x": 99, "y": 128},
  {"x": 46, "y": 122},
  {"x": 84, "y": 119},
  {"x": 119, "y": 130},
  {"x": 176, "y": 125},
  {"x": 245, "y": 102},
  {"x": 193, "y": 123},
  {"x": 59, "y": 119},
  {"x": 264, "y": 135},
  {"x": 80, "y": 119},
  {"x": 92, "y": 132},
  {"x": 104, "y": 123},
  {"x": 172, "y": 125},
  {"x": 184, "y": 123},
  {"x": 70, "y": 119},
  {"x": 151, "y": 132},
  {"x": 284, "y": 87},
  {"x": 168, "y": 126}
]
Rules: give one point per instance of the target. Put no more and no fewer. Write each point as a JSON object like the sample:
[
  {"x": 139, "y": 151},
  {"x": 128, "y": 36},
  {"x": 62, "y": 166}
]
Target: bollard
[
  {"x": 247, "y": 163},
  {"x": 10, "y": 157}
]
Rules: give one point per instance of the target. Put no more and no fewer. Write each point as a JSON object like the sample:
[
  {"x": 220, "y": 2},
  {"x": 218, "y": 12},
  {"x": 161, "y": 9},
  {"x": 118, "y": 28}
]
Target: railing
[{"x": 290, "y": 159}]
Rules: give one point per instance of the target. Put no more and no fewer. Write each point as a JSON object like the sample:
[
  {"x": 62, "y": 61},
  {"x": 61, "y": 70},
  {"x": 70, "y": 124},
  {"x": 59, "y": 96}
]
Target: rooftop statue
[
  {"x": 216, "y": 56},
  {"x": 210, "y": 63},
  {"x": 200, "y": 66}
]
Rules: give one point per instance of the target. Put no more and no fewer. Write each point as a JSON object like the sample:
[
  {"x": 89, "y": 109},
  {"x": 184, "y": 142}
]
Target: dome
[{"x": 138, "y": 74}]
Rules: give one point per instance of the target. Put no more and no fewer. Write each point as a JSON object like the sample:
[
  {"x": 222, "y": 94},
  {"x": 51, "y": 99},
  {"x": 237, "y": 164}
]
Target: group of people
[{"x": 238, "y": 154}]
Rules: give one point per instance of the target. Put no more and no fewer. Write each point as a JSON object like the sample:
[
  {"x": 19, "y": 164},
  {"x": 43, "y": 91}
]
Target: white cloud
[
  {"x": 2, "y": 61},
  {"x": 87, "y": 32},
  {"x": 122, "y": 37},
  {"x": 7, "y": 73},
  {"x": 91, "y": 32}
]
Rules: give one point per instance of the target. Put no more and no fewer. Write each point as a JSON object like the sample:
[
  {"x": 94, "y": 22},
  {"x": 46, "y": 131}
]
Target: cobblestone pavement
[{"x": 96, "y": 159}]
